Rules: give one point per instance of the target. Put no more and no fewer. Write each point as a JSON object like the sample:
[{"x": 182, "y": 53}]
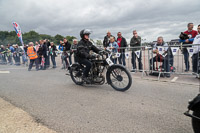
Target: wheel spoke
[{"x": 117, "y": 82}]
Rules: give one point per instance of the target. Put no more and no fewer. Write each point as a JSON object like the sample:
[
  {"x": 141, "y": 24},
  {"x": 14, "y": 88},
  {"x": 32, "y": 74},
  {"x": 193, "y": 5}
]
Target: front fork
[{"x": 187, "y": 113}]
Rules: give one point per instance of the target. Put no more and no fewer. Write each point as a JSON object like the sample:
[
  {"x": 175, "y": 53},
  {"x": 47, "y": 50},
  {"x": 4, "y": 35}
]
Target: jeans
[
  {"x": 4, "y": 60},
  {"x": 10, "y": 60},
  {"x": 18, "y": 61},
  {"x": 32, "y": 62},
  {"x": 40, "y": 61},
  {"x": 186, "y": 59},
  {"x": 114, "y": 60},
  {"x": 134, "y": 56},
  {"x": 47, "y": 61},
  {"x": 64, "y": 57},
  {"x": 53, "y": 60},
  {"x": 195, "y": 62},
  {"x": 24, "y": 58},
  {"x": 122, "y": 59}
]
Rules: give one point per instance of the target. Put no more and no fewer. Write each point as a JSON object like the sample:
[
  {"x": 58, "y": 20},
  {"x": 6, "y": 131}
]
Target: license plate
[{"x": 109, "y": 61}]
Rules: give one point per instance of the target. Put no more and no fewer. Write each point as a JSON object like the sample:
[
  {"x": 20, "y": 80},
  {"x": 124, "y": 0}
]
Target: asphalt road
[{"x": 55, "y": 101}]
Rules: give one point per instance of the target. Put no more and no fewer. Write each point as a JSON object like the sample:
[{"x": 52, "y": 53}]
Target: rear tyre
[{"x": 76, "y": 75}]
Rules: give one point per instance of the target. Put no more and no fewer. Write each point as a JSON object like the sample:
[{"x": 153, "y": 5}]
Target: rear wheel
[
  {"x": 119, "y": 78},
  {"x": 76, "y": 74},
  {"x": 196, "y": 122}
]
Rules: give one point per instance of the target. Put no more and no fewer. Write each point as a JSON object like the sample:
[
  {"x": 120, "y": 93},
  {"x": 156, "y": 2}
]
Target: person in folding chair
[{"x": 164, "y": 58}]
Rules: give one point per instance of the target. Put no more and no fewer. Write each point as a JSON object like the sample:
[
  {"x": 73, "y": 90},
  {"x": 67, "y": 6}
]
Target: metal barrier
[
  {"x": 142, "y": 59},
  {"x": 171, "y": 62}
]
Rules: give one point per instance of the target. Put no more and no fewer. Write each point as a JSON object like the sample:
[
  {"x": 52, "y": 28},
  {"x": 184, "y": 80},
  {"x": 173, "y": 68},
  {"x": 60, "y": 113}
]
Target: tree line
[{"x": 7, "y": 37}]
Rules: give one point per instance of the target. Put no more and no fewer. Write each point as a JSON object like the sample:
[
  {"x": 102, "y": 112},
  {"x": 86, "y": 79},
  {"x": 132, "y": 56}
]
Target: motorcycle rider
[{"x": 83, "y": 56}]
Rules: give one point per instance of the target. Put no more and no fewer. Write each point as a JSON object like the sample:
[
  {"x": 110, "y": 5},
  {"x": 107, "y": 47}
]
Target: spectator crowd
[{"x": 43, "y": 52}]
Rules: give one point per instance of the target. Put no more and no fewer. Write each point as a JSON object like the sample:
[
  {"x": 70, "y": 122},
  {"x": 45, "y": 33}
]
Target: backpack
[{"x": 183, "y": 36}]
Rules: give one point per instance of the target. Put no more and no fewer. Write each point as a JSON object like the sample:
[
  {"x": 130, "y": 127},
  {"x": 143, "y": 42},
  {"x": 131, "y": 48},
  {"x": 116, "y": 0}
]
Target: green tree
[
  {"x": 57, "y": 38},
  {"x": 70, "y": 38},
  {"x": 31, "y": 36},
  {"x": 3, "y": 35},
  {"x": 44, "y": 36}
]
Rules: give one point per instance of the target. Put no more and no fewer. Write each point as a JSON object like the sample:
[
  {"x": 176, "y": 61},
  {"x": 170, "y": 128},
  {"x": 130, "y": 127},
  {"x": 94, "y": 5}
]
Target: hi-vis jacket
[{"x": 32, "y": 53}]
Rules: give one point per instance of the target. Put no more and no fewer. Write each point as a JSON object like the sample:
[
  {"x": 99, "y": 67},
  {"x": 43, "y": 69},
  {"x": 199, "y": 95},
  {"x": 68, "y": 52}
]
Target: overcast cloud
[{"x": 151, "y": 18}]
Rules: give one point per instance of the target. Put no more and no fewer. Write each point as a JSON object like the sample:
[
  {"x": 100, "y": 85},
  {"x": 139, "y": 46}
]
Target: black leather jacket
[
  {"x": 106, "y": 41},
  {"x": 83, "y": 49}
]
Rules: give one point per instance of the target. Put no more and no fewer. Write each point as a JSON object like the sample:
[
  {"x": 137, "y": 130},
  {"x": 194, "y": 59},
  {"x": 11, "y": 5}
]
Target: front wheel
[
  {"x": 119, "y": 78},
  {"x": 196, "y": 122}
]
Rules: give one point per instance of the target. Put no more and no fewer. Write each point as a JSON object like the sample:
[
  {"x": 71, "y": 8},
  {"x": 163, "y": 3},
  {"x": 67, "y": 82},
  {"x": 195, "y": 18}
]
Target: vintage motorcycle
[
  {"x": 194, "y": 106},
  {"x": 117, "y": 76}
]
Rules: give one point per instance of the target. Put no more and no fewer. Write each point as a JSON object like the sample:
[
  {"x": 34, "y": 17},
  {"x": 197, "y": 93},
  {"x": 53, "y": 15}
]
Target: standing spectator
[
  {"x": 42, "y": 51},
  {"x": 10, "y": 53},
  {"x": 191, "y": 34},
  {"x": 64, "y": 56},
  {"x": 37, "y": 45},
  {"x": 106, "y": 40},
  {"x": 53, "y": 55},
  {"x": 0, "y": 54},
  {"x": 32, "y": 56},
  {"x": 18, "y": 52},
  {"x": 67, "y": 47},
  {"x": 196, "y": 55},
  {"x": 3, "y": 53},
  {"x": 114, "y": 47},
  {"x": 74, "y": 49},
  {"x": 136, "y": 42},
  {"x": 121, "y": 41},
  {"x": 14, "y": 53},
  {"x": 47, "y": 57},
  {"x": 61, "y": 47},
  {"x": 25, "y": 49},
  {"x": 24, "y": 56},
  {"x": 160, "y": 58}
]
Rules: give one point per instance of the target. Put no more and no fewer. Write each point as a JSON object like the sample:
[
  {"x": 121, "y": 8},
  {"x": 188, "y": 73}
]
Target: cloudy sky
[{"x": 151, "y": 18}]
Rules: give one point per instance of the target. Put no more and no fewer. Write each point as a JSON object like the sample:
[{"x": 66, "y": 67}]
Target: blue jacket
[
  {"x": 115, "y": 45},
  {"x": 12, "y": 49},
  {"x": 61, "y": 47},
  {"x": 190, "y": 40}
]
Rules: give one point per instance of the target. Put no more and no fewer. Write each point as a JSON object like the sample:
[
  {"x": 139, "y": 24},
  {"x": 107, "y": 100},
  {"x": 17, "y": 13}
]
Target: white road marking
[
  {"x": 174, "y": 79},
  {"x": 3, "y": 69},
  {"x": 4, "y": 72}
]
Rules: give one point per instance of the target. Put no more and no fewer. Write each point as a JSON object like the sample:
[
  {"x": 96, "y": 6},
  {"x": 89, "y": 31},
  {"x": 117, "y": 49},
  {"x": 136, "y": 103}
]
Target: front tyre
[
  {"x": 119, "y": 78},
  {"x": 196, "y": 122}
]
